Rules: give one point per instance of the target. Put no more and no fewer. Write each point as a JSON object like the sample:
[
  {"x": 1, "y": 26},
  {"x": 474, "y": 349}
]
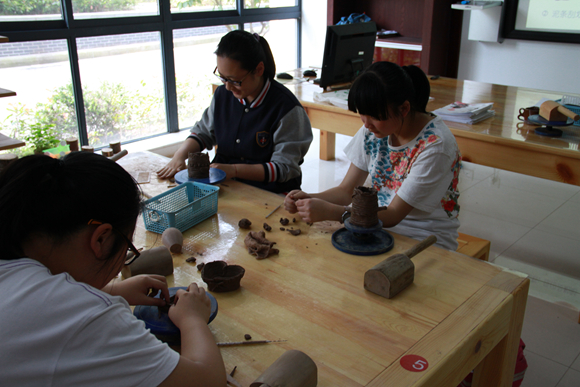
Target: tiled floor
[{"x": 534, "y": 227}]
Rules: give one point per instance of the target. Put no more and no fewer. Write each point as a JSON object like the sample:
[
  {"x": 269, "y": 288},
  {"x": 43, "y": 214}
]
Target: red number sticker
[{"x": 414, "y": 363}]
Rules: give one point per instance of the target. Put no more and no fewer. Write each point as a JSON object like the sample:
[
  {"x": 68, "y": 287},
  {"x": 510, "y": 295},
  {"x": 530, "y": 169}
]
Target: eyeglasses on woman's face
[
  {"x": 130, "y": 246},
  {"x": 233, "y": 83}
]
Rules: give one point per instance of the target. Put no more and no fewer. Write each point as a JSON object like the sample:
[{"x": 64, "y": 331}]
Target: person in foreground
[
  {"x": 411, "y": 155},
  {"x": 67, "y": 225},
  {"x": 261, "y": 129}
]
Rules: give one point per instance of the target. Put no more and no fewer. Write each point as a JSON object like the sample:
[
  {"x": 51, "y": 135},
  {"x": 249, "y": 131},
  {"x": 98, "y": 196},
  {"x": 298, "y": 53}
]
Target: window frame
[{"x": 165, "y": 23}]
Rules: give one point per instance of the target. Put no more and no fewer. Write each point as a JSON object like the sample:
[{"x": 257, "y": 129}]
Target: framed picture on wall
[{"x": 543, "y": 20}]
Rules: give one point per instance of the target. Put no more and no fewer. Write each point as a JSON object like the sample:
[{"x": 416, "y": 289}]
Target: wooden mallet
[
  {"x": 553, "y": 111},
  {"x": 395, "y": 273}
]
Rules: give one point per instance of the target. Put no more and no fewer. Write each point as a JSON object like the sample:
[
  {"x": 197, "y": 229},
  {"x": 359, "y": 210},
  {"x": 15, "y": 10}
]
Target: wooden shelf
[
  {"x": 401, "y": 43},
  {"x": 6, "y": 93},
  {"x": 429, "y": 24},
  {"x": 3, "y": 39}
]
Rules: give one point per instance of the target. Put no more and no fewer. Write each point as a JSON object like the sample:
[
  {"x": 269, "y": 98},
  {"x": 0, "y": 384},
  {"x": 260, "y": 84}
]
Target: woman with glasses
[
  {"x": 261, "y": 131},
  {"x": 65, "y": 232}
]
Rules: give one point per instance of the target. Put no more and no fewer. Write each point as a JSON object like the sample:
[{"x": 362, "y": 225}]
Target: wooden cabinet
[{"x": 431, "y": 24}]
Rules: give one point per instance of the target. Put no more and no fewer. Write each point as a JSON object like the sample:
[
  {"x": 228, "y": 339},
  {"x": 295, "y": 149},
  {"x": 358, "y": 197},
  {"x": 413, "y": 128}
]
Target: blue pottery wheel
[
  {"x": 215, "y": 176},
  {"x": 362, "y": 241},
  {"x": 159, "y": 323}
]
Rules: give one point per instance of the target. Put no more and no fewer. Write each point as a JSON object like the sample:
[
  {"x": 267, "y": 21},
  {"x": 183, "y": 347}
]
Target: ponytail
[{"x": 248, "y": 49}]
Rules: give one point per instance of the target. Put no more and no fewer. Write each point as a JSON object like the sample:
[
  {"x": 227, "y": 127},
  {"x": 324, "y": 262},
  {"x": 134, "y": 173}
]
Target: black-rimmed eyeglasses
[
  {"x": 130, "y": 246},
  {"x": 234, "y": 83}
]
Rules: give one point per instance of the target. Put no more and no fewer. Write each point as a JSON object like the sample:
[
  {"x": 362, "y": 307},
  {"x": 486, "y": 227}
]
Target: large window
[{"x": 122, "y": 70}]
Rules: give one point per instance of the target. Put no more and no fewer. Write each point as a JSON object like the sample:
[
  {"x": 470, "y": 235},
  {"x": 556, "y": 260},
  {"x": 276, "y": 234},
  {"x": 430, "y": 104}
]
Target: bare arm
[
  {"x": 200, "y": 363},
  {"x": 177, "y": 162},
  {"x": 329, "y": 204}
]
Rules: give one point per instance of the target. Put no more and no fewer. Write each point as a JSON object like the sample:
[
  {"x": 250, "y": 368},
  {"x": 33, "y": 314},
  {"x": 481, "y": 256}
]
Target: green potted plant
[{"x": 42, "y": 137}]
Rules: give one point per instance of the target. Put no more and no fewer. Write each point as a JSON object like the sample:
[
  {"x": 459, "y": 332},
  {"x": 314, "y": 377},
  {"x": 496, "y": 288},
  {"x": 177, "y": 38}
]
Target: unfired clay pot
[{"x": 221, "y": 277}]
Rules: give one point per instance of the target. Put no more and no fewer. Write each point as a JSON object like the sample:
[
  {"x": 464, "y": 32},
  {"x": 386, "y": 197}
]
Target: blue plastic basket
[{"x": 181, "y": 207}]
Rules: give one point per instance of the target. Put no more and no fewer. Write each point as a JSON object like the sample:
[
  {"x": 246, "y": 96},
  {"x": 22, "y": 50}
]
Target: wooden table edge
[{"x": 494, "y": 339}]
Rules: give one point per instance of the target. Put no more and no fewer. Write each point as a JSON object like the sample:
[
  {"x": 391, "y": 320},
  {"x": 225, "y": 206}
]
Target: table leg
[
  {"x": 327, "y": 145},
  {"x": 497, "y": 369}
]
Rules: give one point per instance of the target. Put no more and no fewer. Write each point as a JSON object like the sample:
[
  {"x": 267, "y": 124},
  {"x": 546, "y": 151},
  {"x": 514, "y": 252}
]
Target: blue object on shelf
[{"x": 354, "y": 18}]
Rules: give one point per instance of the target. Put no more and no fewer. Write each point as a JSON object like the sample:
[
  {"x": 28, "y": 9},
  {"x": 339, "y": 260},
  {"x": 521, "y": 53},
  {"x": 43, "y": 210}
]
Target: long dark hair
[
  {"x": 248, "y": 49},
  {"x": 40, "y": 195},
  {"x": 385, "y": 86}
]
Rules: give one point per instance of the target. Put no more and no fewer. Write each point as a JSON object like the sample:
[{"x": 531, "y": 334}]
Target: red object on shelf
[{"x": 398, "y": 56}]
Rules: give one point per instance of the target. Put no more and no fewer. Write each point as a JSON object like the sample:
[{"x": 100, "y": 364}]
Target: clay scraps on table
[
  {"x": 284, "y": 221},
  {"x": 267, "y": 227},
  {"x": 259, "y": 246},
  {"x": 294, "y": 232},
  {"x": 244, "y": 223},
  {"x": 247, "y": 337},
  {"x": 200, "y": 266},
  {"x": 190, "y": 260}
]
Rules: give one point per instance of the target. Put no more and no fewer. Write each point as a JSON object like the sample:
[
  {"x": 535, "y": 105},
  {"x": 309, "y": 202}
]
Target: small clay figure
[
  {"x": 259, "y": 246},
  {"x": 267, "y": 227},
  {"x": 172, "y": 238},
  {"x": 190, "y": 260},
  {"x": 221, "y": 277},
  {"x": 294, "y": 232},
  {"x": 244, "y": 223},
  {"x": 247, "y": 337},
  {"x": 284, "y": 221}
]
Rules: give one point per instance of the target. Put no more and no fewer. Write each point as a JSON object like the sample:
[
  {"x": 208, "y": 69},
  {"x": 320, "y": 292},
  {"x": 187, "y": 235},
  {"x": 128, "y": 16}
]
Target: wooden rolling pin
[{"x": 553, "y": 111}]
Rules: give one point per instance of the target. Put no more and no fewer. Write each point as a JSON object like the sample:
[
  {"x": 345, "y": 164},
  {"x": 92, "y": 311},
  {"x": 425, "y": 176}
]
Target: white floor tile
[
  {"x": 548, "y": 251},
  {"x": 501, "y": 233},
  {"x": 545, "y": 187},
  {"x": 565, "y": 221},
  {"x": 471, "y": 174},
  {"x": 576, "y": 365},
  {"x": 542, "y": 372},
  {"x": 547, "y": 285},
  {"x": 551, "y": 331},
  {"x": 508, "y": 203},
  {"x": 570, "y": 379},
  {"x": 576, "y": 198}
]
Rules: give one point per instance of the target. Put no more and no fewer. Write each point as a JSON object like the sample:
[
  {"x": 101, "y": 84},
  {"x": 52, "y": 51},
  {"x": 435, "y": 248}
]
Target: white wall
[
  {"x": 522, "y": 63},
  {"x": 313, "y": 32}
]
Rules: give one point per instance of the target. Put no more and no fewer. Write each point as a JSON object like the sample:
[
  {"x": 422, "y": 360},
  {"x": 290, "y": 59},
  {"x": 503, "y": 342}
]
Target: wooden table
[
  {"x": 458, "y": 313},
  {"x": 501, "y": 142}
]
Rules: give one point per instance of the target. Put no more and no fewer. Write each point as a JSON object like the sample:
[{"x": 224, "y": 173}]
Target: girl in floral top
[{"x": 411, "y": 156}]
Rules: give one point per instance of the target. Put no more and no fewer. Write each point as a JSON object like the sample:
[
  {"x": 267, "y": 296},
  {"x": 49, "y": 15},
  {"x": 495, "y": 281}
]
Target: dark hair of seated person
[
  {"x": 384, "y": 86},
  {"x": 40, "y": 195},
  {"x": 248, "y": 49}
]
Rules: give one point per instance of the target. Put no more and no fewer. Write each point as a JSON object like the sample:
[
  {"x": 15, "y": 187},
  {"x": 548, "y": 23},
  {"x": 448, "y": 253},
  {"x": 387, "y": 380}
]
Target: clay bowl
[{"x": 221, "y": 277}]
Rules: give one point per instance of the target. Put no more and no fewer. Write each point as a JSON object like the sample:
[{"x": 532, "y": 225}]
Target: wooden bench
[{"x": 473, "y": 246}]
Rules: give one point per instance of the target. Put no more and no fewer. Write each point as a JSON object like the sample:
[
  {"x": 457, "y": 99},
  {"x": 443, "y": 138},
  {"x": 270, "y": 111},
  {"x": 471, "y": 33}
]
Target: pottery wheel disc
[
  {"x": 159, "y": 323},
  {"x": 374, "y": 243},
  {"x": 215, "y": 176}
]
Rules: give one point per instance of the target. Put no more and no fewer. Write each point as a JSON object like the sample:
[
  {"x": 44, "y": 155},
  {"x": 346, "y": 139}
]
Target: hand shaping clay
[{"x": 154, "y": 261}]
